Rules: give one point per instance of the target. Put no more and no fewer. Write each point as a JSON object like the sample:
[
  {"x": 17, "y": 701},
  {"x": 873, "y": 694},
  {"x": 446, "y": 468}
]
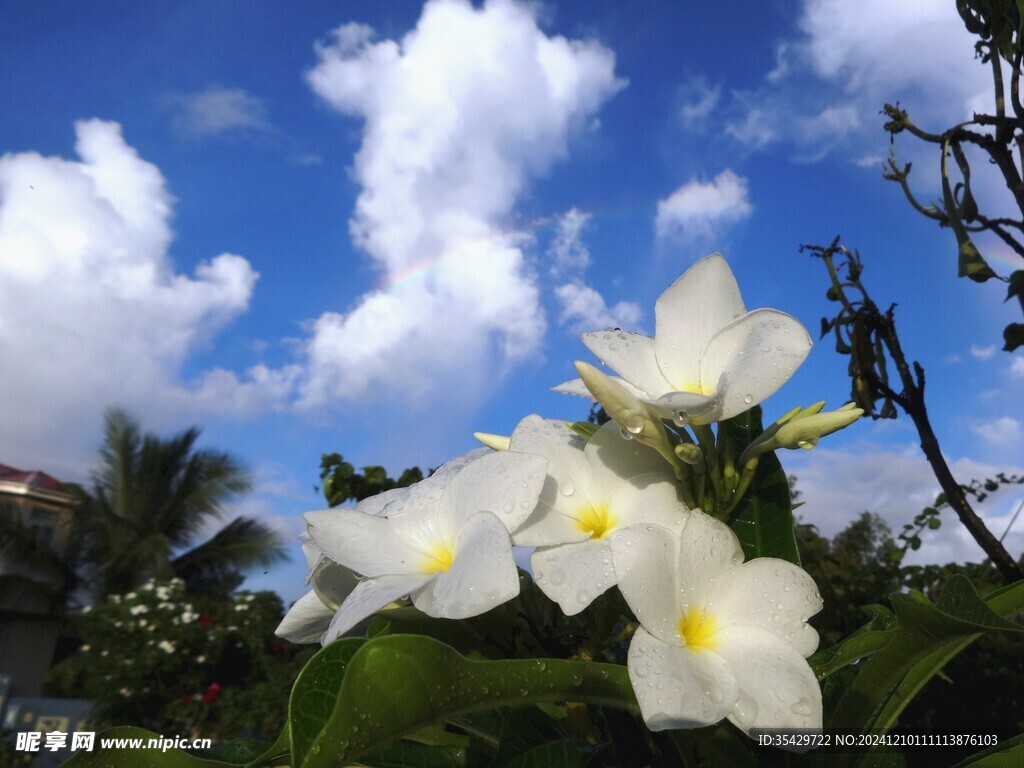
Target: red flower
[
  {"x": 186, "y": 698},
  {"x": 206, "y": 620},
  {"x": 211, "y": 693}
]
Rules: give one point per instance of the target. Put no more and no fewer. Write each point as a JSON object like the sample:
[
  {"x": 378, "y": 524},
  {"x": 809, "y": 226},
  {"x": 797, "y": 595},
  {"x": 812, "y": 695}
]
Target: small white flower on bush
[
  {"x": 444, "y": 541},
  {"x": 593, "y": 487},
  {"x": 718, "y": 637},
  {"x": 709, "y": 359},
  {"x": 166, "y": 646}
]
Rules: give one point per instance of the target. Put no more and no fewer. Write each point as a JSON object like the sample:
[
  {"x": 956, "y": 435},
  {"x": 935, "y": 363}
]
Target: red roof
[{"x": 33, "y": 478}]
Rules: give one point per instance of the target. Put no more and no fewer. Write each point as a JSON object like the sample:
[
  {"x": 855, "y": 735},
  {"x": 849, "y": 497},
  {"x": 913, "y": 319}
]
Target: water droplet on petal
[
  {"x": 567, "y": 488},
  {"x": 803, "y": 706},
  {"x": 807, "y": 443},
  {"x": 748, "y": 399},
  {"x": 635, "y": 423},
  {"x": 627, "y": 435}
]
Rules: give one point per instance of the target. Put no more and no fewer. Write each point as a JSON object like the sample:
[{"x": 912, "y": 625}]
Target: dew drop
[
  {"x": 807, "y": 443},
  {"x": 567, "y": 488},
  {"x": 635, "y": 423},
  {"x": 745, "y": 710},
  {"x": 748, "y": 399},
  {"x": 803, "y": 706},
  {"x": 680, "y": 418},
  {"x": 626, "y": 435}
]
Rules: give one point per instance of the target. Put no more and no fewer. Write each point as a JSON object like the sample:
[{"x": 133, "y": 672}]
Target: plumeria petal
[
  {"x": 777, "y": 687},
  {"x": 374, "y": 505},
  {"x": 688, "y": 315},
  {"x": 577, "y": 387},
  {"x": 332, "y": 583},
  {"x": 563, "y": 448},
  {"x": 573, "y": 387},
  {"x": 630, "y": 355},
  {"x": 677, "y": 687},
  {"x": 647, "y": 499},
  {"x": 506, "y": 484},
  {"x": 306, "y": 620},
  {"x": 369, "y": 597},
  {"x": 482, "y": 574},
  {"x": 772, "y": 594},
  {"x": 708, "y": 551},
  {"x": 644, "y": 557},
  {"x": 364, "y": 543},
  {"x": 573, "y": 575},
  {"x": 760, "y": 352},
  {"x": 611, "y": 458}
]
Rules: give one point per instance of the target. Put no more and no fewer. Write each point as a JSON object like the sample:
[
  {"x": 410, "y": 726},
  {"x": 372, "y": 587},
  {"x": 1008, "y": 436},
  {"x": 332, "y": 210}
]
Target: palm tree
[{"x": 152, "y": 499}]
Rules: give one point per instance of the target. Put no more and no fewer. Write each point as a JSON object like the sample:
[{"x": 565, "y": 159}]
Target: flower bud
[
  {"x": 497, "y": 442},
  {"x": 638, "y": 420},
  {"x": 802, "y": 428}
]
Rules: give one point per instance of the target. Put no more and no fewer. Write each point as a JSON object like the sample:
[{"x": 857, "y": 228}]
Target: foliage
[
  {"x": 178, "y": 662},
  {"x": 340, "y": 481},
  {"x": 998, "y": 25},
  {"x": 151, "y": 497}
]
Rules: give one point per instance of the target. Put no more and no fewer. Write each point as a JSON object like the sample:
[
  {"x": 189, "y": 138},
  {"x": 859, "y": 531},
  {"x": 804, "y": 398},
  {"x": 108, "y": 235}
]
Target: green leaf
[
  {"x": 1016, "y": 284},
  {"x": 136, "y": 757},
  {"x": 763, "y": 520},
  {"x": 523, "y": 729},
  {"x": 237, "y": 752},
  {"x": 928, "y": 636},
  {"x": 583, "y": 428},
  {"x": 970, "y": 262},
  {"x": 1005, "y": 754},
  {"x": 1013, "y": 336},
  {"x": 868, "y": 640},
  {"x": 407, "y": 754},
  {"x": 315, "y": 692},
  {"x": 395, "y": 684},
  {"x": 554, "y": 754}
]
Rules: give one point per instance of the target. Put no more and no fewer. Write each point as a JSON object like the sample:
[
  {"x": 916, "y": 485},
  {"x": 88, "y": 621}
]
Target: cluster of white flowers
[{"x": 718, "y": 637}]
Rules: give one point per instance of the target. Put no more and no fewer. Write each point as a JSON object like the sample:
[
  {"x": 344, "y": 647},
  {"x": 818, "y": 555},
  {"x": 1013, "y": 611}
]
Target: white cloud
[
  {"x": 699, "y": 100},
  {"x": 567, "y": 252},
  {"x": 458, "y": 115},
  {"x": 982, "y": 353},
  {"x": 1005, "y": 430},
  {"x": 701, "y": 208},
  {"x": 219, "y": 110},
  {"x": 829, "y": 81},
  {"x": 92, "y": 311},
  {"x": 837, "y": 485},
  {"x": 755, "y": 130},
  {"x": 1017, "y": 366},
  {"x": 584, "y": 309}
]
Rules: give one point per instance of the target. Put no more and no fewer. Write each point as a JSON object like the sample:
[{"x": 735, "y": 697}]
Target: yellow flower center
[
  {"x": 439, "y": 557},
  {"x": 596, "y": 520},
  {"x": 697, "y": 629},
  {"x": 693, "y": 386}
]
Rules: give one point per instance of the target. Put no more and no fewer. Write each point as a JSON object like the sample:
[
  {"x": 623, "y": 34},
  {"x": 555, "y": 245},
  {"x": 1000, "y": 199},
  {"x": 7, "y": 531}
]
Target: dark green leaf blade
[
  {"x": 314, "y": 694},
  {"x": 763, "y": 520},
  {"x": 396, "y": 684}
]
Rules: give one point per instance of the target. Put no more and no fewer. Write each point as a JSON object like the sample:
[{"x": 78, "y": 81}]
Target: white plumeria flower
[
  {"x": 718, "y": 637},
  {"x": 593, "y": 488},
  {"x": 709, "y": 359},
  {"x": 310, "y": 616},
  {"x": 444, "y": 542}
]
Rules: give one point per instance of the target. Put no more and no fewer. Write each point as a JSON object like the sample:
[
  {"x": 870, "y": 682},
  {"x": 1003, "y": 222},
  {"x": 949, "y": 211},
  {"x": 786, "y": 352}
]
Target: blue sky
[{"x": 375, "y": 227}]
